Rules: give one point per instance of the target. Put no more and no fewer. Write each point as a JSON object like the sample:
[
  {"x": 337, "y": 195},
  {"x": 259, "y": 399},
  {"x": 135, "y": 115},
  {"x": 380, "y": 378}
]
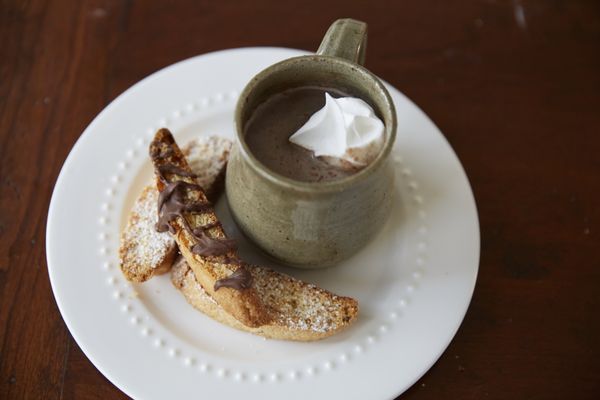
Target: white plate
[{"x": 414, "y": 282}]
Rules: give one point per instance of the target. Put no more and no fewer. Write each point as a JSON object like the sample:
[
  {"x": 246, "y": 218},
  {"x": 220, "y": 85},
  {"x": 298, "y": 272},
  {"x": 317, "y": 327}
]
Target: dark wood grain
[{"x": 514, "y": 86}]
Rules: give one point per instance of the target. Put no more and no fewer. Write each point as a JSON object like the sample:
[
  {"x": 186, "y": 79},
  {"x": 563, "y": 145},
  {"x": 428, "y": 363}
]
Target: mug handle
[{"x": 346, "y": 38}]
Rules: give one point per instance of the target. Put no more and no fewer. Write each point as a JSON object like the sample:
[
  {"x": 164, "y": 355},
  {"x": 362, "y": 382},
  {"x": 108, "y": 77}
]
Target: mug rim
[{"x": 326, "y": 186}]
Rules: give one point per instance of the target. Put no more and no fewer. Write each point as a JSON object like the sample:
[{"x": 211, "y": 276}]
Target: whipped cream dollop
[{"x": 345, "y": 132}]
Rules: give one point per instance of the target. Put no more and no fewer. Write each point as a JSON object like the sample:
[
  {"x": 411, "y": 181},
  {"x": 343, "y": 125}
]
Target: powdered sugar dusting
[
  {"x": 207, "y": 157},
  {"x": 143, "y": 244},
  {"x": 297, "y": 305}
]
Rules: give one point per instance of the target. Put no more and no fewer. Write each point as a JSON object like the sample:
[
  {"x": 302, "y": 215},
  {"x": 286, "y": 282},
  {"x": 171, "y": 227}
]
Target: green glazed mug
[{"x": 313, "y": 224}]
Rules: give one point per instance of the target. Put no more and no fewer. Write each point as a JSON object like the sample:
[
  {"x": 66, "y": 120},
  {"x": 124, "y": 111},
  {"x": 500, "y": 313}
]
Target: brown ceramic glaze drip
[{"x": 240, "y": 279}]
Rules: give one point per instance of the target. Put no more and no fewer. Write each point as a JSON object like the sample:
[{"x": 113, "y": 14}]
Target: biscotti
[
  {"x": 143, "y": 251},
  {"x": 187, "y": 214},
  {"x": 297, "y": 310}
]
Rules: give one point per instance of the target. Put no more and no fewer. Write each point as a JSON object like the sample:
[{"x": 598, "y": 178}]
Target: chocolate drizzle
[
  {"x": 198, "y": 231},
  {"x": 172, "y": 203},
  {"x": 240, "y": 279},
  {"x": 207, "y": 246}
]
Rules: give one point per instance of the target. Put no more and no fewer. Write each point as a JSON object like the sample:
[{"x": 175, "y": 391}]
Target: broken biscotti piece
[
  {"x": 187, "y": 214},
  {"x": 144, "y": 252},
  {"x": 297, "y": 310},
  {"x": 207, "y": 157}
]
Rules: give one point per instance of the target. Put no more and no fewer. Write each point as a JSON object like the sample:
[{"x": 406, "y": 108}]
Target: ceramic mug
[{"x": 313, "y": 224}]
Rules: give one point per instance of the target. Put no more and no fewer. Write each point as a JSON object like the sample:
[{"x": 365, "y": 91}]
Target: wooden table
[{"x": 514, "y": 86}]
